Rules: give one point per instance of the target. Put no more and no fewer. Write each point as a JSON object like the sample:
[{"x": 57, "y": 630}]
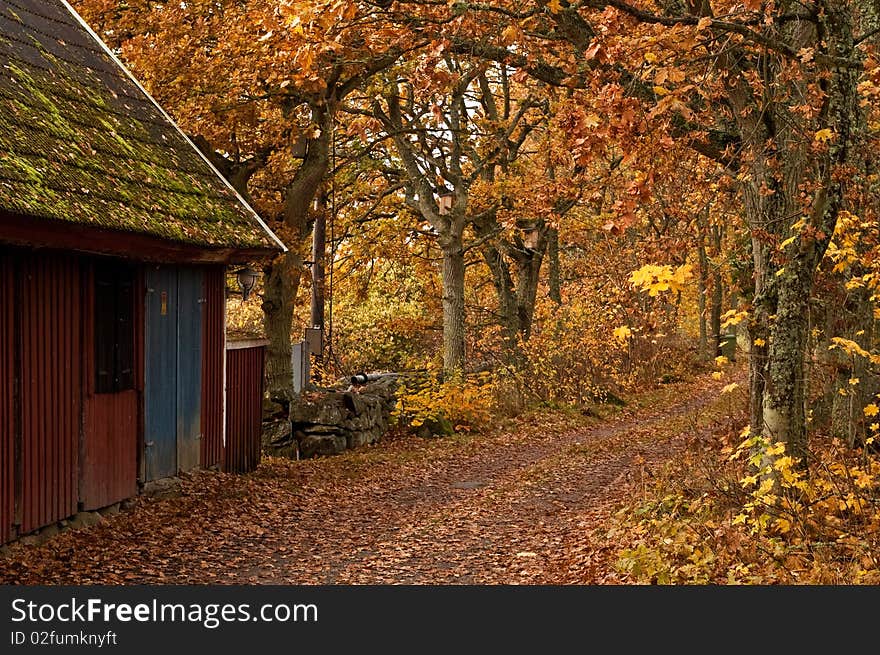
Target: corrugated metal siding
[
  {"x": 244, "y": 407},
  {"x": 190, "y": 298},
  {"x": 213, "y": 344},
  {"x": 109, "y": 467},
  {"x": 51, "y": 348},
  {"x": 7, "y": 398}
]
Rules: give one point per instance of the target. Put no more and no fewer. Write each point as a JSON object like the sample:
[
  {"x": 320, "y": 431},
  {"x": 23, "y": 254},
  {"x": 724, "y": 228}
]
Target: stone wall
[{"x": 329, "y": 422}]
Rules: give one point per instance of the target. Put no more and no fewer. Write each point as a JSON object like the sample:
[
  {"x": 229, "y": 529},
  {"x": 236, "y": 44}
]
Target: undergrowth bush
[
  {"x": 460, "y": 404},
  {"x": 746, "y": 514}
]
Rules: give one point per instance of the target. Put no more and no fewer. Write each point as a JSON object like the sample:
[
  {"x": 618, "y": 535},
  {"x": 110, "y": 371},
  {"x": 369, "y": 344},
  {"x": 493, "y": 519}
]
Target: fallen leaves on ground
[{"x": 523, "y": 506}]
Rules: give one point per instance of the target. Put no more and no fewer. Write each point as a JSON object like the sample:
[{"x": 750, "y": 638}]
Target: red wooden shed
[{"x": 115, "y": 235}]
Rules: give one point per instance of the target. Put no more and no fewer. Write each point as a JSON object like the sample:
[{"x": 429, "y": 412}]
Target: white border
[{"x": 171, "y": 120}]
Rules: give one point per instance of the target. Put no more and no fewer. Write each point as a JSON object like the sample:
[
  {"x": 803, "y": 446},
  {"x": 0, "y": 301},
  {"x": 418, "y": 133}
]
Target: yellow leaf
[
  {"x": 766, "y": 487},
  {"x": 510, "y": 34},
  {"x": 721, "y": 360},
  {"x": 783, "y": 463},
  {"x": 733, "y": 386},
  {"x": 824, "y": 135},
  {"x": 717, "y": 375},
  {"x": 733, "y": 317},
  {"x": 760, "y": 342},
  {"x": 661, "y": 91},
  {"x": 776, "y": 449},
  {"x": 783, "y": 525},
  {"x": 749, "y": 480},
  {"x": 650, "y": 57},
  {"x": 554, "y": 6},
  {"x": 622, "y": 333},
  {"x": 871, "y": 410}
]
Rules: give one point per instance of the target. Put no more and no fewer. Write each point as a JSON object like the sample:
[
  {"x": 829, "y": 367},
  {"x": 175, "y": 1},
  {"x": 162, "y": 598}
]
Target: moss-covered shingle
[{"x": 80, "y": 142}]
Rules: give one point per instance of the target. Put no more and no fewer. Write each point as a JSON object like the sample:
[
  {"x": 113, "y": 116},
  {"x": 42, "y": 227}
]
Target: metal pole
[{"x": 319, "y": 246}]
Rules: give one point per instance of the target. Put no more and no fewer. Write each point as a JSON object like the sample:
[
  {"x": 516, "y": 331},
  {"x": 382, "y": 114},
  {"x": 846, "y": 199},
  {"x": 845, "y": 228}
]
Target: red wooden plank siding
[
  {"x": 213, "y": 344},
  {"x": 51, "y": 346},
  {"x": 7, "y": 399},
  {"x": 244, "y": 406},
  {"x": 109, "y": 468},
  {"x": 140, "y": 293}
]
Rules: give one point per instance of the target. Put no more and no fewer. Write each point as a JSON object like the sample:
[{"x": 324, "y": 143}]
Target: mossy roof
[{"x": 81, "y": 142}]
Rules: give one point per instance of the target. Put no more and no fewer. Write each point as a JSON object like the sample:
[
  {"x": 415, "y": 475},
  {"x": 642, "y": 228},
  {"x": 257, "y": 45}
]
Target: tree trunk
[
  {"x": 783, "y": 410},
  {"x": 502, "y": 281},
  {"x": 553, "y": 252},
  {"x": 516, "y": 298},
  {"x": 281, "y": 283},
  {"x": 529, "y": 257},
  {"x": 282, "y": 280},
  {"x": 784, "y": 399},
  {"x": 703, "y": 292},
  {"x": 715, "y": 313},
  {"x": 759, "y": 329},
  {"x": 717, "y": 293},
  {"x": 453, "y": 305}
]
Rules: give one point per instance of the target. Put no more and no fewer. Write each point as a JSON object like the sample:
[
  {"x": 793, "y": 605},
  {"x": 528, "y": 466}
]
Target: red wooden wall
[
  {"x": 51, "y": 347},
  {"x": 244, "y": 408},
  {"x": 7, "y": 399},
  {"x": 213, "y": 358}
]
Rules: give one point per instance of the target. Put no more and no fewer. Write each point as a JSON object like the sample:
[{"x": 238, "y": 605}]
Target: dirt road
[{"x": 522, "y": 507}]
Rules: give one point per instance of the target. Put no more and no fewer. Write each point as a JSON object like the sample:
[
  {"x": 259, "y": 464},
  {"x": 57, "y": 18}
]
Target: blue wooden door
[
  {"x": 160, "y": 374},
  {"x": 190, "y": 298}
]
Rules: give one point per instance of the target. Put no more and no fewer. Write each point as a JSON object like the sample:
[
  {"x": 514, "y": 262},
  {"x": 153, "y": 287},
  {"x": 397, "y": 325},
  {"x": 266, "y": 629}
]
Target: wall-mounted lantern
[{"x": 247, "y": 279}]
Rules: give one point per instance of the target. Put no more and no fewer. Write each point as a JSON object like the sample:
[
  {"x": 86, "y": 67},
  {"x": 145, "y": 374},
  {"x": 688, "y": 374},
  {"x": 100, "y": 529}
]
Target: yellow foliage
[
  {"x": 656, "y": 279},
  {"x": 786, "y": 525},
  {"x": 733, "y": 317},
  {"x": 458, "y": 404}
]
